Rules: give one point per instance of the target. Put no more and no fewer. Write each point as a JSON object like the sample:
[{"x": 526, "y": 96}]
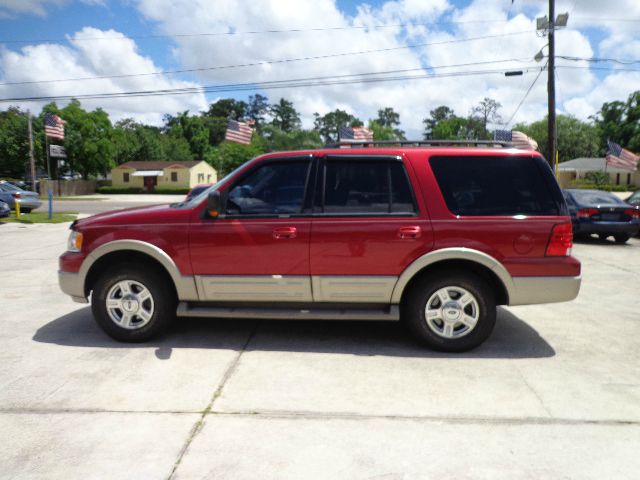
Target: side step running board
[{"x": 390, "y": 314}]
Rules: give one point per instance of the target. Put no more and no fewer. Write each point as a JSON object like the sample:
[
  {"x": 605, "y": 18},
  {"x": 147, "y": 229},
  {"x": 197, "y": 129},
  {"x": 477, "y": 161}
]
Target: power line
[
  {"x": 527, "y": 93},
  {"x": 254, "y": 32},
  {"x": 277, "y": 84},
  {"x": 272, "y": 62},
  {"x": 598, "y": 60}
]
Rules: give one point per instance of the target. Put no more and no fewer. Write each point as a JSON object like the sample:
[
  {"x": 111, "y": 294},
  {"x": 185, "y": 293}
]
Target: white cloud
[
  {"x": 9, "y": 8},
  {"x": 579, "y": 90},
  {"x": 94, "y": 58}
]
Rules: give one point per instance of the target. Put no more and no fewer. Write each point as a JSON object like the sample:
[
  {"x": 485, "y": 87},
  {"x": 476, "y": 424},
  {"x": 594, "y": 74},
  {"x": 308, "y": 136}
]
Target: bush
[
  {"x": 112, "y": 190},
  {"x": 607, "y": 187}
]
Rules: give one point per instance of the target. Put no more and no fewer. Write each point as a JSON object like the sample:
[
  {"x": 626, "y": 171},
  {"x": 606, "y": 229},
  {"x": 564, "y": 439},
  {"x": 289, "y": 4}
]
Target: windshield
[
  {"x": 592, "y": 197},
  {"x": 202, "y": 195}
]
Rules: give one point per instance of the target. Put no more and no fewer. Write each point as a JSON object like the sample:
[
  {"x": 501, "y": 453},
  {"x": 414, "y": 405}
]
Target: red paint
[{"x": 336, "y": 245}]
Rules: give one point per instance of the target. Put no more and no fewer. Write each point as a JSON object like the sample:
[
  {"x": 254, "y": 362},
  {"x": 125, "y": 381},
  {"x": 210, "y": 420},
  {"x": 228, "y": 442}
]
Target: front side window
[
  {"x": 366, "y": 187},
  {"x": 273, "y": 189}
]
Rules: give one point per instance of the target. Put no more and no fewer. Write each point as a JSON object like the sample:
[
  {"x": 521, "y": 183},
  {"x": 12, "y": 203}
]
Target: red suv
[{"x": 433, "y": 236}]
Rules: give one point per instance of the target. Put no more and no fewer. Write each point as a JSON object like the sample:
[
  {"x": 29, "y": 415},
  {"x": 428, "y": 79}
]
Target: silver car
[
  {"x": 10, "y": 194},
  {"x": 4, "y": 210}
]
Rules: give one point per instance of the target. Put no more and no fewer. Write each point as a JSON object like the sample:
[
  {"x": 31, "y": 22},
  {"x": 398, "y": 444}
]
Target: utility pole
[
  {"x": 551, "y": 88},
  {"x": 32, "y": 161},
  {"x": 548, "y": 26}
]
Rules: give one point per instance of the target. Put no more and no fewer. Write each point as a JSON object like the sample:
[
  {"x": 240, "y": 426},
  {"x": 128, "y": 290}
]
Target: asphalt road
[
  {"x": 554, "y": 392},
  {"x": 115, "y": 202}
]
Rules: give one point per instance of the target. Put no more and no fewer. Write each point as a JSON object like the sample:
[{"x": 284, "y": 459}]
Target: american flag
[
  {"x": 239, "y": 132},
  {"x": 54, "y": 126},
  {"x": 519, "y": 139},
  {"x": 355, "y": 134},
  {"x": 621, "y": 158}
]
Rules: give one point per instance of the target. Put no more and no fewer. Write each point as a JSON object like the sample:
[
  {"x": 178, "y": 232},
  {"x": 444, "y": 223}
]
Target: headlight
[{"x": 74, "y": 244}]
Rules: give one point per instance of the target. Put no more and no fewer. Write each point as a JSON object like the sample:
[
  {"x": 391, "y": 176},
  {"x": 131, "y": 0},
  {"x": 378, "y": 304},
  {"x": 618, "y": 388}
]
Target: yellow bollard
[{"x": 17, "y": 196}]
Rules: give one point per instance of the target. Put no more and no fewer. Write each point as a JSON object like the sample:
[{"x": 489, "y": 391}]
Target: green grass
[{"x": 40, "y": 217}]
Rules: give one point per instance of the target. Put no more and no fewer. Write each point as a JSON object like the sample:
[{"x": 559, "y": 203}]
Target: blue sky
[{"x": 68, "y": 52}]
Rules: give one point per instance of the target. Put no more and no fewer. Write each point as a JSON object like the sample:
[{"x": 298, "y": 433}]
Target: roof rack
[{"x": 423, "y": 143}]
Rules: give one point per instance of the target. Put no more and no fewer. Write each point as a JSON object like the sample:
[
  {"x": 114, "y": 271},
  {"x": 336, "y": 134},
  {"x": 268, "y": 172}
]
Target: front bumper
[
  {"x": 535, "y": 290},
  {"x": 73, "y": 285}
]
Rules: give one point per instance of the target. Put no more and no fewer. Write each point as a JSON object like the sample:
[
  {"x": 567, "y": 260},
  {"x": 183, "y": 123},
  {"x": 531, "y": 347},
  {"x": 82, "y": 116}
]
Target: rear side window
[
  {"x": 367, "y": 187},
  {"x": 509, "y": 185}
]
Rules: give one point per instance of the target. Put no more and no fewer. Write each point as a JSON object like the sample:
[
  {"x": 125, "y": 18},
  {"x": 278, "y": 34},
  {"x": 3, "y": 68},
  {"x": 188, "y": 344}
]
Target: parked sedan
[
  {"x": 4, "y": 210},
  {"x": 634, "y": 199},
  {"x": 594, "y": 211},
  {"x": 197, "y": 190},
  {"x": 11, "y": 194}
]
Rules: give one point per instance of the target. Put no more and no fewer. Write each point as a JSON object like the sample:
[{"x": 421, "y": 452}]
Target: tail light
[
  {"x": 634, "y": 213},
  {"x": 586, "y": 212},
  {"x": 561, "y": 241},
  {"x": 16, "y": 195}
]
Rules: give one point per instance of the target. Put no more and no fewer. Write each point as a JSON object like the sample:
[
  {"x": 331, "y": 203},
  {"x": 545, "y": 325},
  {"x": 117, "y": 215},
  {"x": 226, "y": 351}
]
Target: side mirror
[{"x": 214, "y": 204}]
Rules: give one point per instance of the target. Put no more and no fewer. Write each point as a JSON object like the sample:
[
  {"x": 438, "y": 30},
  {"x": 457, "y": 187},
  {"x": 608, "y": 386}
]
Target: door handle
[
  {"x": 285, "y": 232},
  {"x": 408, "y": 233}
]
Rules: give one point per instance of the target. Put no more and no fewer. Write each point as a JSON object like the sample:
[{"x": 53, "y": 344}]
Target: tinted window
[
  {"x": 590, "y": 197},
  {"x": 275, "y": 188},
  {"x": 495, "y": 186},
  {"x": 363, "y": 186}
]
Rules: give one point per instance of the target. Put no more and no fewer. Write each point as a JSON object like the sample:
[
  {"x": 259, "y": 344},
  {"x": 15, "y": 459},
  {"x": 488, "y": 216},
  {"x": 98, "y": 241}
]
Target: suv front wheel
[
  {"x": 133, "y": 303},
  {"x": 450, "y": 312}
]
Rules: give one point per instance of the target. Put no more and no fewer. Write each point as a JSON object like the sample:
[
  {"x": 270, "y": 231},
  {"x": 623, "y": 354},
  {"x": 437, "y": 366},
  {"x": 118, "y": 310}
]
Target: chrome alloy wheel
[
  {"x": 130, "y": 304},
  {"x": 452, "y": 312}
]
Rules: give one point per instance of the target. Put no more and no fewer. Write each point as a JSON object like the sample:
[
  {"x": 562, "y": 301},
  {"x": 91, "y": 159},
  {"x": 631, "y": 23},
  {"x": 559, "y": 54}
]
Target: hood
[{"x": 137, "y": 216}]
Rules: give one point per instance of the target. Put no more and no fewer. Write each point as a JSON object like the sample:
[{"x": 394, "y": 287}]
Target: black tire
[
  {"x": 25, "y": 210},
  {"x": 162, "y": 295},
  {"x": 621, "y": 237},
  {"x": 415, "y": 302}
]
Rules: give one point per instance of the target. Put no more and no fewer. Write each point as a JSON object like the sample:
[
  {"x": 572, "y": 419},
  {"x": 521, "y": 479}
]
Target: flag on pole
[
  {"x": 355, "y": 134},
  {"x": 54, "y": 126},
  {"x": 519, "y": 139},
  {"x": 239, "y": 132},
  {"x": 620, "y": 157}
]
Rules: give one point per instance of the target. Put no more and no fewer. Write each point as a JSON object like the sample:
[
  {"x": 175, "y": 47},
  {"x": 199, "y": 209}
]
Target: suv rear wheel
[
  {"x": 133, "y": 303},
  {"x": 451, "y": 312}
]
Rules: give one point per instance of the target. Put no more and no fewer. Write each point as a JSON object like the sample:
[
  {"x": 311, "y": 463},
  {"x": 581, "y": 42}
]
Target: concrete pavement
[{"x": 554, "y": 393}]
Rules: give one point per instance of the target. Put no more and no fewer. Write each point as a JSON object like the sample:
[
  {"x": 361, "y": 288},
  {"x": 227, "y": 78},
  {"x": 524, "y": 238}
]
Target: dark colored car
[
  {"x": 197, "y": 190},
  {"x": 634, "y": 199},
  {"x": 602, "y": 213},
  {"x": 4, "y": 210},
  {"x": 435, "y": 237}
]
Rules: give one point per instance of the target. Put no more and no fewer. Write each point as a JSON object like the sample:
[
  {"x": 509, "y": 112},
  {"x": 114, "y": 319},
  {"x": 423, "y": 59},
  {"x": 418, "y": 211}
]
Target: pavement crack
[{"x": 200, "y": 423}]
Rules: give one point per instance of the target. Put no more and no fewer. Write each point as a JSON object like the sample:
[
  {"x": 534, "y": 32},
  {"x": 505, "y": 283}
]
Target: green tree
[
  {"x": 329, "y": 124},
  {"x": 620, "y": 122},
  {"x": 229, "y": 155},
  {"x": 87, "y": 142},
  {"x": 387, "y": 117},
  {"x": 285, "y": 116},
  {"x": 436, "y": 116},
  {"x": 275, "y": 139},
  {"x": 134, "y": 141},
  {"x": 487, "y": 112},
  {"x": 384, "y": 132},
  {"x": 14, "y": 143},
  {"x": 576, "y": 138},
  {"x": 228, "y": 108},
  {"x": 193, "y": 129},
  {"x": 257, "y": 108}
]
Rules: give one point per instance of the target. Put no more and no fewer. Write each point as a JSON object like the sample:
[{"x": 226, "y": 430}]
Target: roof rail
[{"x": 422, "y": 143}]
